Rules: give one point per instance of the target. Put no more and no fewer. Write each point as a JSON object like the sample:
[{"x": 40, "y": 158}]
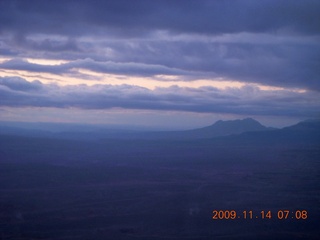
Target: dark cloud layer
[
  {"x": 268, "y": 42},
  {"x": 142, "y": 16},
  {"x": 250, "y": 100}
]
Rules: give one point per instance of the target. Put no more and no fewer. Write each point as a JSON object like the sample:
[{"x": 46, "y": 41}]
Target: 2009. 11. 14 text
[{"x": 264, "y": 214}]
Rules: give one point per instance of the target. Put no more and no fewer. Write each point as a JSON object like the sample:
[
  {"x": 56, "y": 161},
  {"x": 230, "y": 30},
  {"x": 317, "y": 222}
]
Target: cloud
[
  {"x": 45, "y": 43},
  {"x": 20, "y": 84},
  {"x": 248, "y": 100},
  {"x": 126, "y": 68},
  {"x": 20, "y": 64},
  {"x": 266, "y": 42},
  {"x": 142, "y": 17},
  {"x": 275, "y": 61}
]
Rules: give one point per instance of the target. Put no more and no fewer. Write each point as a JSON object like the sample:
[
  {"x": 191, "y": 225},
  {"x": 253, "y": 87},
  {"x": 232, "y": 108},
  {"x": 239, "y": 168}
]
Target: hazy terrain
[{"x": 159, "y": 185}]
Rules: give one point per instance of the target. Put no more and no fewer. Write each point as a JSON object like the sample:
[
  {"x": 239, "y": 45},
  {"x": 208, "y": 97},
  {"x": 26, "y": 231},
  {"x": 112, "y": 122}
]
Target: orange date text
[{"x": 281, "y": 214}]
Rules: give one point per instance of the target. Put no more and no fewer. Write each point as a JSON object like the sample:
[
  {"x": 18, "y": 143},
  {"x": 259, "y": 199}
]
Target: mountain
[
  {"x": 218, "y": 129},
  {"x": 225, "y": 128},
  {"x": 246, "y": 130},
  {"x": 307, "y": 125},
  {"x": 70, "y": 131},
  {"x": 302, "y": 133},
  {"x": 306, "y": 131}
]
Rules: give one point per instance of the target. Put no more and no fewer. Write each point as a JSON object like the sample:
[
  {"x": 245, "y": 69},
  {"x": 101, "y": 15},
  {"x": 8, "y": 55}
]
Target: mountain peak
[
  {"x": 249, "y": 120},
  {"x": 238, "y": 121},
  {"x": 229, "y": 127}
]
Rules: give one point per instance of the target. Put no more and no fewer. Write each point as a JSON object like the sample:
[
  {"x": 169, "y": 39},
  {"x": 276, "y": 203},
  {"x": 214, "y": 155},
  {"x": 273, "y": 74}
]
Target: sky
[{"x": 159, "y": 64}]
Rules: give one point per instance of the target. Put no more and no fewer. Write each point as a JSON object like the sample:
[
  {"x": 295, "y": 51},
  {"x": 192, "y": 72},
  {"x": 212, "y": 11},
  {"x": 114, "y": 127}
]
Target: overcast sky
[{"x": 175, "y": 64}]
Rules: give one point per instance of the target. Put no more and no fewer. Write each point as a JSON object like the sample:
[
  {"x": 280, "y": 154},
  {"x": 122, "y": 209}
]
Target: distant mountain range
[
  {"x": 303, "y": 133},
  {"x": 218, "y": 129},
  {"x": 244, "y": 130},
  {"x": 225, "y": 128}
]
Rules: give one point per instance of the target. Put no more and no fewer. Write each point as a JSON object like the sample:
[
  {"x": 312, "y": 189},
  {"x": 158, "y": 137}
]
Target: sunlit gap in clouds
[
  {"x": 84, "y": 76},
  {"x": 40, "y": 61}
]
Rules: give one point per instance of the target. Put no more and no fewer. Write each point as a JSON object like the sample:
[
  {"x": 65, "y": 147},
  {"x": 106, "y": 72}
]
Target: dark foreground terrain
[{"x": 54, "y": 188}]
